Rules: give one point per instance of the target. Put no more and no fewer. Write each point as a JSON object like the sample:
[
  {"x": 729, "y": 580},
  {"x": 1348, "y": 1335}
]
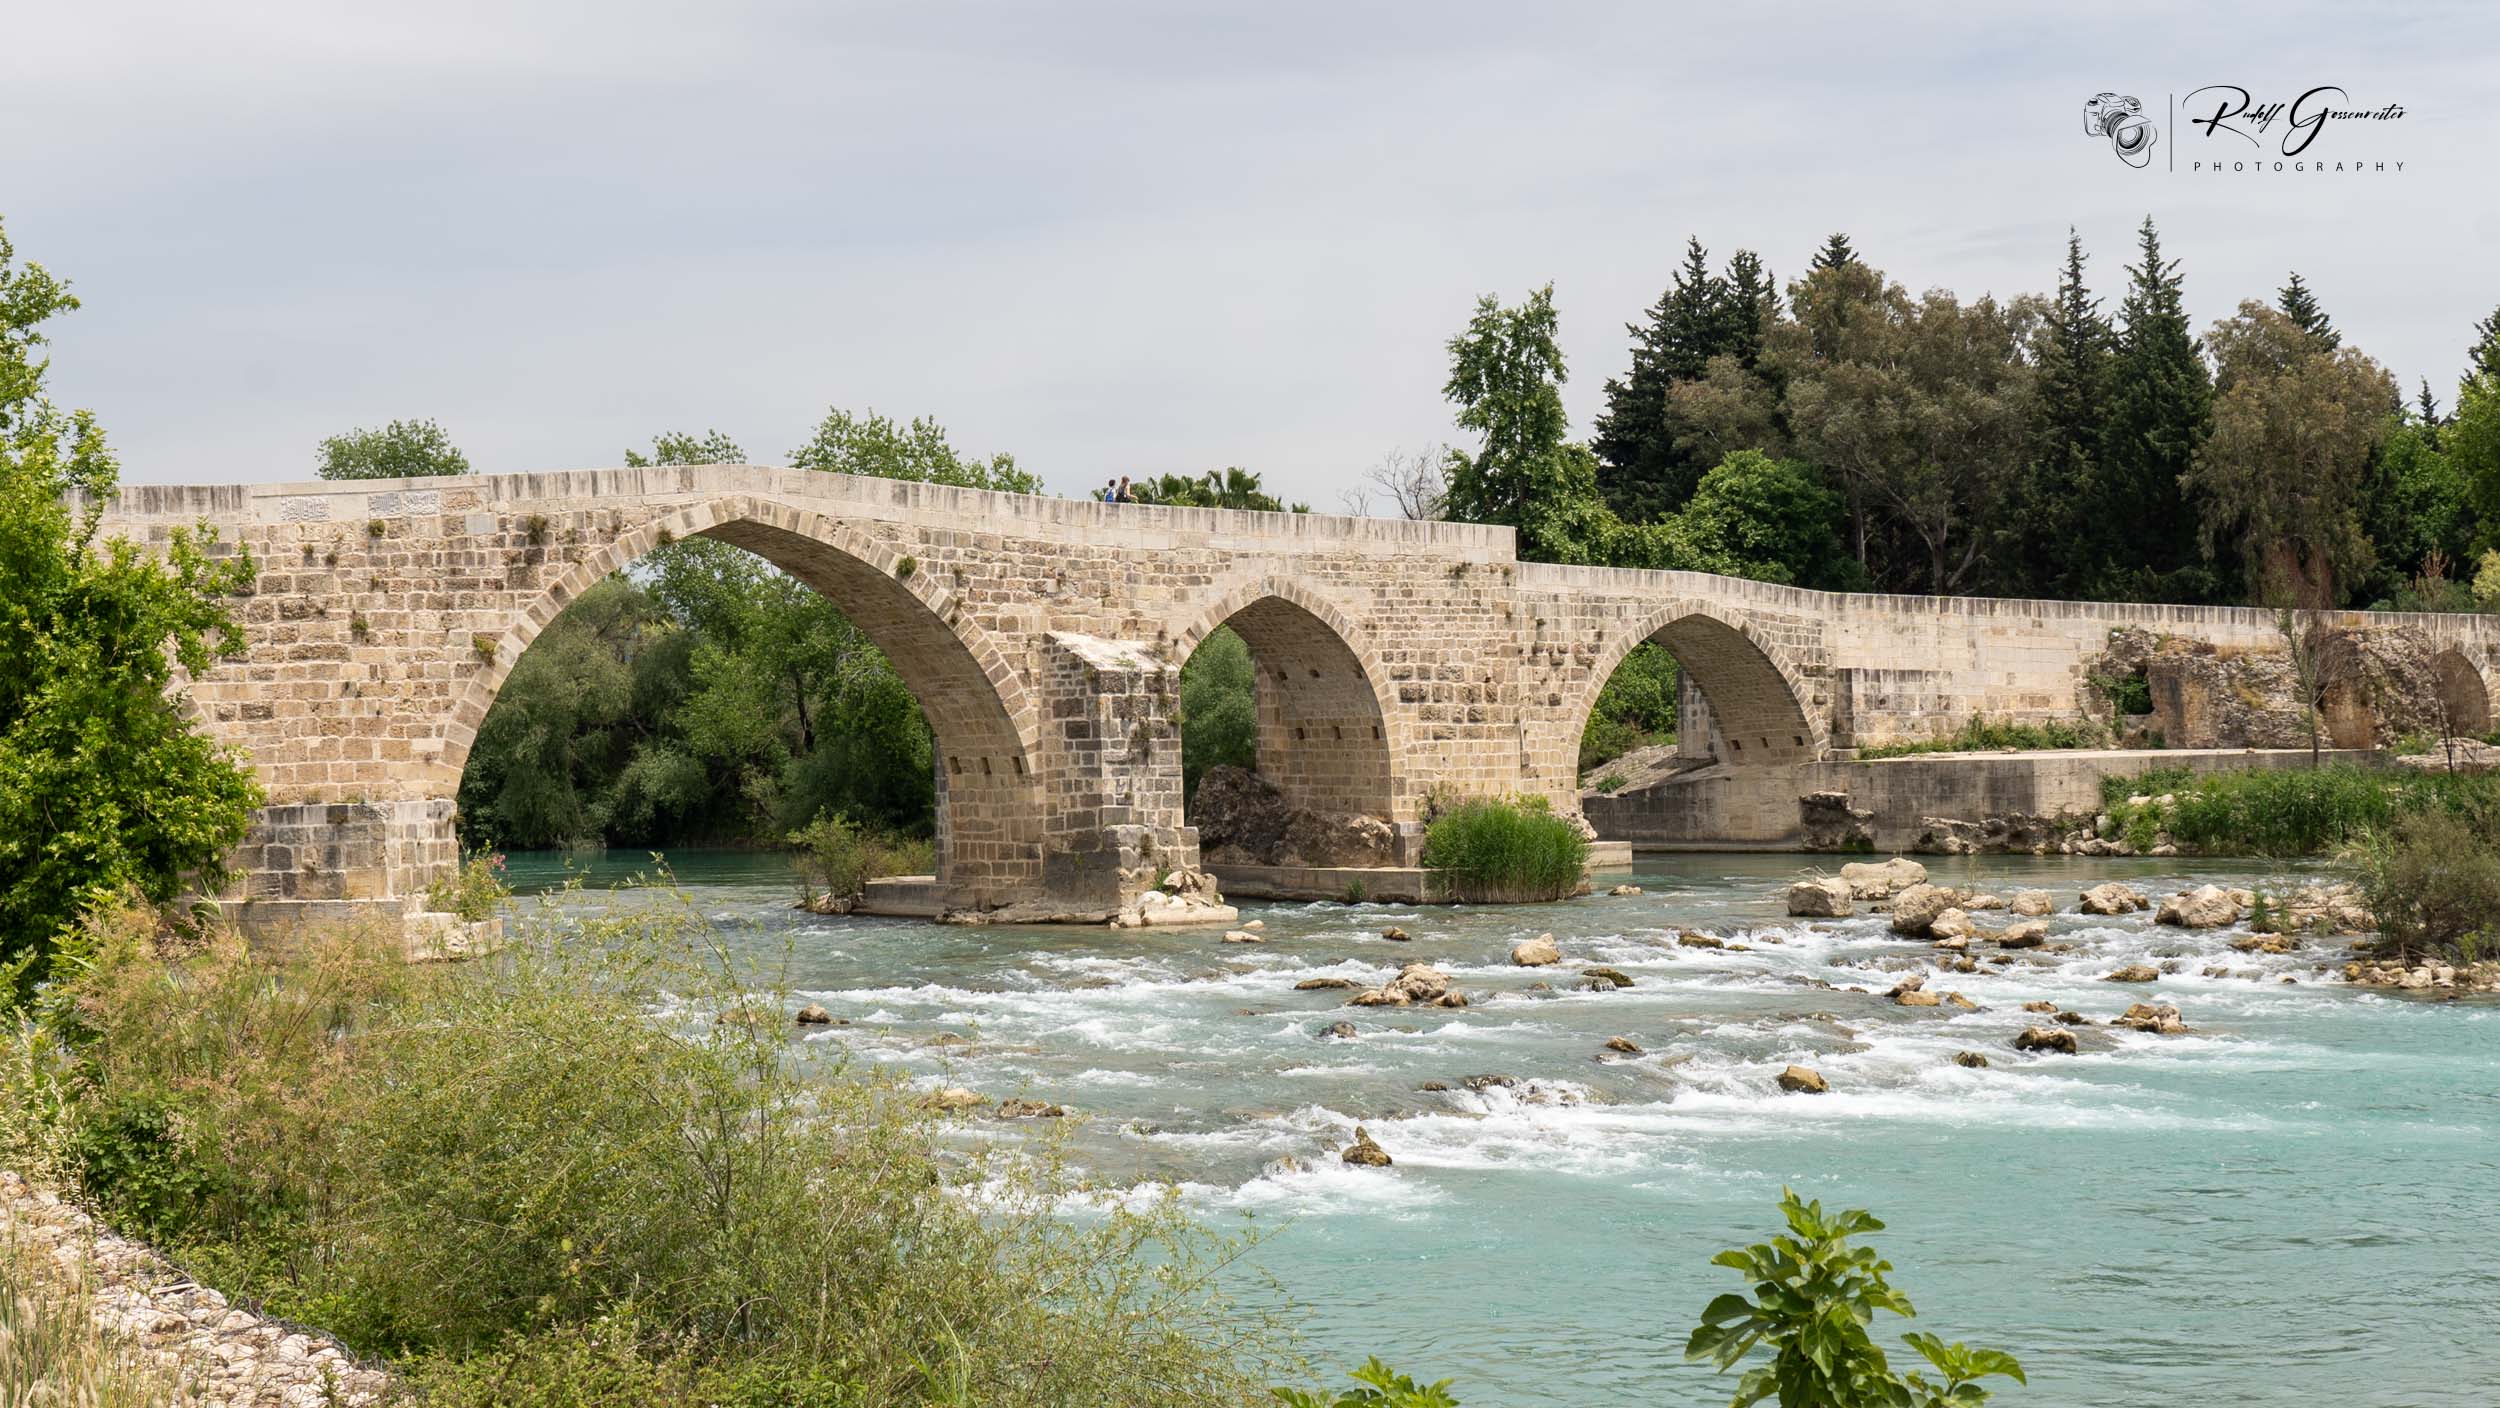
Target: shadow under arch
[
  {"x": 1756, "y": 696},
  {"x": 2464, "y": 699},
  {"x": 985, "y": 722},
  {"x": 1330, "y": 734}
]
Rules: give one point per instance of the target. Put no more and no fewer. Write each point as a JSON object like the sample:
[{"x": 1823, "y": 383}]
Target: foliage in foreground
[
  {"x": 1506, "y": 851},
  {"x": 2291, "y": 811},
  {"x": 103, "y": 781},
  {"x": 52, "y": 1352},
  {"x": 1813, "y": 1297},
  {"x": 1382, "y": 1387},
  {"x": 523, "y": 1185}
]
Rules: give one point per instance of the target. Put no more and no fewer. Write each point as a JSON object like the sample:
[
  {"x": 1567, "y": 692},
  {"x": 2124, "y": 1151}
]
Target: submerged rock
[
  {"x": 1363, "y": 1152},
  {"x": 1337, "y": 1031},
  {"x": 1323, "y": 984},
  {"x": 1803, "y": 1080},
  {"x": 2046, "y": 1039},
  {"x": 1396, "y": 935},
  {"x": 2134, "y": 973},
  {"x": 1028, "y": 1110},
  {"x": 1243, "y": 936},
  {"x": 1624, "y": 1045},
  {"x": 1615, "y": 976},
  {"x": 1971, "y": 1059},
  {"x": 1691, "y": 939}
]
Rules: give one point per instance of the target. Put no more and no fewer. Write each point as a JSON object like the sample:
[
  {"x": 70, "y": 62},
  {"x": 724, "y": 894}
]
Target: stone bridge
[{"x": 1396, "y": 660}]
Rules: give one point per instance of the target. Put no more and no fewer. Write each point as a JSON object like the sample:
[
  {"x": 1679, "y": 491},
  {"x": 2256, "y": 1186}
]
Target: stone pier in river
[{"x": 1044, "y": 638}]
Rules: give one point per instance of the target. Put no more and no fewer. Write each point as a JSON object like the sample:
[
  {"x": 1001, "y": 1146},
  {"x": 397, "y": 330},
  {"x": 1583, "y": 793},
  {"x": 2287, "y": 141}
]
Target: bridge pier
[{"x": 332, "y": 864}]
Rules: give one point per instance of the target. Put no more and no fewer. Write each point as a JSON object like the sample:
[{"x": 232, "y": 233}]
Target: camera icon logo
[{"x": 2121, "y": 119}]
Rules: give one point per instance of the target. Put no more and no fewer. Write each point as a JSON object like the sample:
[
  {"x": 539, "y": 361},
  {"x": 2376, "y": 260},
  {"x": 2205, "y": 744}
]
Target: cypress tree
[
  {"x": 1834, "y": 253},
  {"x": 2161, "y": 408},
  {"x": 2484, "y": 359},
  {"x": 1640, "y": 472},
  {"x": 2301, "y": 306},
  {"x": 2046, "y": 518}
]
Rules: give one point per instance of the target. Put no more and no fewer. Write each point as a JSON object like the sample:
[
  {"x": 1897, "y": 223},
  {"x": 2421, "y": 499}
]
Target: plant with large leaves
[{"x": 1813, "y": 1297}]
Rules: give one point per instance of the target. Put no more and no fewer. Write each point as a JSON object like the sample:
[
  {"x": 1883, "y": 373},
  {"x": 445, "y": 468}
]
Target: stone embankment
[{"x": 224, "y": 1356}]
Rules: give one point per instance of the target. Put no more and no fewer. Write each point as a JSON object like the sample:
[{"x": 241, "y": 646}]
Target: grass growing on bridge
[
  {"x": 1980, "y": 734},
  {"x": 1506, "y": 852}
]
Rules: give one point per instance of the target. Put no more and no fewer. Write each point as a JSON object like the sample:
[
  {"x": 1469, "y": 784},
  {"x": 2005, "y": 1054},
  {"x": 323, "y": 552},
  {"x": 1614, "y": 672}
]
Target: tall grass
[
  {"x": 1506, "y": 852},
  {"x": 53, "y": 1354},
  {"x": 2293, "y": 811},
  {"x": 589, "y": 1171}
]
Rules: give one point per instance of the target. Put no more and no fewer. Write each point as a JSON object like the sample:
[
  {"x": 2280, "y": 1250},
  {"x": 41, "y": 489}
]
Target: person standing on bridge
[
  {"x": 1127, "y": 495},
  {"x": 1110, "y": 491}
]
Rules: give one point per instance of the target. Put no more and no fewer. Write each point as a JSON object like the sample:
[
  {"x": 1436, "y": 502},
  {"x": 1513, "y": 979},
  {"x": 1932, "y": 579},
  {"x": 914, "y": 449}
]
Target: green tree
[
  {"x": 2483, "y": 358},
  {"x": 2301, "y": 306},
  {"x": 1227, "y": 488},
  {"x": 875, "y": 446},
  {"x": 2418, "y": 516},
  {"x": 1835, "y": 253},
  {"x": 104, "y": 784},
  {"x": 678, "y": 447},
  {"x": 2046, "y": 507},
  {"x": 2295, "y": 428},
  {"x": 2471, "y": 440},
  {"x": 1219, "y": 708},
  {"x": 403, "y": 449},
  {"x": 1640, "y": 471},
  {"x": 565, "y": 725},
  {"x": 1771, "y": 520},
  {"x": 1506, "y": 376},
  {"x": 1814, "y": 1295},
  {"x": 2161, "y": 409}
]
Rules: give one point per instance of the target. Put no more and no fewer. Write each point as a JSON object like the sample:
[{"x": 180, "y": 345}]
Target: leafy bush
[
  {"x": 1383, "y": 1387},
  {"x": 2434, "y": 882},
  {"x": 2127, "y": 694},
  {"x": 1506, "y": 852},
  {"x": 551, "y": 1178},
  {"x": 838, "y": 857},
  {"x": 1813, "y": 1297},
  {"x": 2294, "y": 811},
  {"x": 474, "y": 891},
  {"x": 1978, "y": 734}
]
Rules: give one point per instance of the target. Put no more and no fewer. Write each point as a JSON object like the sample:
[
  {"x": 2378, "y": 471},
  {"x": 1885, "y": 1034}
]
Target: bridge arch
[
  {"x": 1331, "y": 734},
  {"x": 985, "y": 721},
  {"x": 1757, "y": 696},
  {"x": 2464, "y": 698}
]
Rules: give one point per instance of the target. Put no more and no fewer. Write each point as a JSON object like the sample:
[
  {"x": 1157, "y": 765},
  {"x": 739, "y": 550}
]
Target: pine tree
[
  {"x": 2484, "y": 359},
  {"x": 2301, "y": 306},
  {"x": 2161, "y": 409},
  {"x": 1834, "y": 253},
  {"x": 1751, "y": 303},
  {"x": 1641, "y": 474},
  {"x": 2046, "y": 516},
  {"x": 2426, "y": 408}
]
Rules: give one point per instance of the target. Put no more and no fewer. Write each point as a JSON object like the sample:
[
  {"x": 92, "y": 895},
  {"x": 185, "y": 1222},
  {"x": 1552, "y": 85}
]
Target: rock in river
[
  {"x": 1615, "y": 976},
  {"x": 2045, "y": 1039},
  {"x": 1803, "y": 1080},
  {"x": 1624, "y": 1045},
  {"x": 2135, "y": 973},
  {"x": 1364, "y": 1152},
  {"x": 815, "y": 1015},
  {"x": 2160, "y": 1018},
  {"x": 2031, "y": 904},
  {"x": 2112, "y": 898},
  {"x": 953, "y": 1097},
  {"x": 1971, "y": 1059},
  {"x": 1918, "y": 906},
  {"x": 1536, "y": 952},
  {"x": 1875, "y": 880},
  {"x": 2205, "y": 907},
  {"x": 1824, "y": 897}
]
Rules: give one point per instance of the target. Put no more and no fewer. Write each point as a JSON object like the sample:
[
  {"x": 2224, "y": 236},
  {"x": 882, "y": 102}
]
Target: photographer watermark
[{"x": 2281, "y": 135}]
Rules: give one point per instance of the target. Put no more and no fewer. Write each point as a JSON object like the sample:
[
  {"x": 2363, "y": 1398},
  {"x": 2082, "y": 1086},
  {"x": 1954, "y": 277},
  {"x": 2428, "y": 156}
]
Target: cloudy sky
[{"x": 1123, "y": 238}]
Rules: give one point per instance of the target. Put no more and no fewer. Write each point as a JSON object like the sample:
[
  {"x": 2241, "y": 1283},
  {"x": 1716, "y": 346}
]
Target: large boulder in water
[
  {"x": 1823, "y": 897},
  {"x": 1536, "y": 952},
  {"x": 2032, "y": 904},
  {"x": 2205, "y": 907},
  {"x": 2113, "y": 898},
  {"x": 1919, "y": 906},
  {"x": 1420, "y": 982},
  {"x": 1803, "y": 1080},
  {"x": 1363, "y": 1152},
  {"x": 1875, "y": 880},
  {"x": 2046, "y": 1039}
]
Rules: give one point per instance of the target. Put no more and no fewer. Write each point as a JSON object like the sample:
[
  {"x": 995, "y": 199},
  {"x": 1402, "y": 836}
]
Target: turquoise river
[{"x": 2293, "y": 1204}]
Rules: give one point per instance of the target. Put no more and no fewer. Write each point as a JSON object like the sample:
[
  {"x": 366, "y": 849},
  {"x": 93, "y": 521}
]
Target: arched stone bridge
[{"x": 1044, "y": 637}]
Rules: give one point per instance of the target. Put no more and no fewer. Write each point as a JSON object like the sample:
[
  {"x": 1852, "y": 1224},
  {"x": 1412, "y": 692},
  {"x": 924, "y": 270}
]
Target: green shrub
[
  {"x": 2127, "y": 694},
  {"x": 1813, "y": 1297},
  {"x": 2433, "y": 880},
  {"x": 1979, "y": 735},
  {"x": 1383, "y": 1387},
  {"x": 551, "y": 1177},
  {"x": 838, "y": 857},
  {"x": 474, "y": 891},
  {"x": 1506, "y": 852},
  {"x": 2294, "y": 811}
]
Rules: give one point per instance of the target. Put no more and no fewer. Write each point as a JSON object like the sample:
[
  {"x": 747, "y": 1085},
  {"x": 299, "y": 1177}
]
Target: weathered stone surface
[
  {"x": 1919, "y": 906},
  {"x": 1803, "y": 1080},
  {"x": 814, "y": 1015},
  {"x": 2134, "y": 973},
  {"x": 1972, "y": 1059},
  {"x": 1624, "y": 1046},
  {"x": 2032, "y": 904},
  {"x": 2112, "y": 898},
  {"x": 1823, "y": 897},
  {"x": 1826, "y": 822},
  {"x": 1536, "y": 952},
  {"x": 1244, "y": 819},
  {"x": 1953, "y": 923},
  {"x": 2028, "y": 933},
  {"x": 1877, "y": 880},
  {"x": 1324, "y": 984},
  {"x": 953, "y": 1097},
  {"x": 2205, "y": 907},
  {"x": 2151, "y": 1017},
  {"x": 1614, "y": 976},
  {"x": 1363, "y": 1152},
  {"x": 1420, "y": 982},
  {"x": 2046, "y": 1039}
]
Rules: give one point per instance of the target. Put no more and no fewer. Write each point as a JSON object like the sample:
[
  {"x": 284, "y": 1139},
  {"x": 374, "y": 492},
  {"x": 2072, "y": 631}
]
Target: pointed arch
[
  {"x": 984, "y": 717},
  {"x": 1757, "y": 695},
  {"x": 1331, "y": 733}
]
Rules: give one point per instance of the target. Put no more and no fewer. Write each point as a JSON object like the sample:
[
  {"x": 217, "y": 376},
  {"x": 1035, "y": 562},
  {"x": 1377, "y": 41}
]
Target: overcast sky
[{"x": 1122, "y": 238}]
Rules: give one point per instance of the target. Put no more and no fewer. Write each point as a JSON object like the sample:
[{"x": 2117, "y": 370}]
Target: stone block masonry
[{"x": 1395, "y": 660}]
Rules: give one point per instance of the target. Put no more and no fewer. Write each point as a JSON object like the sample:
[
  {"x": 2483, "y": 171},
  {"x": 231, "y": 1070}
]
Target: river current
[{"x": 2294, "y": 1203}]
